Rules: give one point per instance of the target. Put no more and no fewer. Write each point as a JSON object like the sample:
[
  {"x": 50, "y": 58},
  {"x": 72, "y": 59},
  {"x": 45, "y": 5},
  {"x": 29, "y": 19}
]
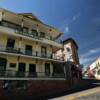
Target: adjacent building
[{"x": 94, "y": 69}]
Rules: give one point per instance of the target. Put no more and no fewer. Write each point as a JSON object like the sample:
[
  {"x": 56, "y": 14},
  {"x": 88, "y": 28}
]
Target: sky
[{"x": 79, "y": 19}]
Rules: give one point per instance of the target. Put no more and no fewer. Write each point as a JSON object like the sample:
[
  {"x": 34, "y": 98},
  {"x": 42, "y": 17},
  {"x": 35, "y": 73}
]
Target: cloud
[
  {"x": 75, "y": 17},
  {"x": 87, "y": 61},
  {"x": 90, "y": 52},
  {"x": 95, "y": 50},
  {"x": 88, "y": 57},
  {"x": 68, "y": 21},
  {"x": 67, "y": 29}
]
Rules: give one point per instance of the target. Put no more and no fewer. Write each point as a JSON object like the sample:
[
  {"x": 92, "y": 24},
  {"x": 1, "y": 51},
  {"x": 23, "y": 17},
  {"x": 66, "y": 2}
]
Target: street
[
  {"x": 86, "y": 93},
  {"x": 95, "y": 96}
]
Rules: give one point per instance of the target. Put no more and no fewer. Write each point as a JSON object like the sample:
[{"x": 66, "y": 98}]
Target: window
[
  {"x": 25, "y": 29},
  {"x": 28, "y": 50},
  {"x": 34, "y": 32},
  {"x": 12, "y": 65},
  {"x": 10, "y": 25},
  {"x": 10, "y": 43},
  {"x": 42, "y": 34}
]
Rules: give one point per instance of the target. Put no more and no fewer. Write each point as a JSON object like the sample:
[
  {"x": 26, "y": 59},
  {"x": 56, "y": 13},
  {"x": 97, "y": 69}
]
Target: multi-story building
[
  {"x": 26, "y": 44},
  {"x": 29, "y": 56}
]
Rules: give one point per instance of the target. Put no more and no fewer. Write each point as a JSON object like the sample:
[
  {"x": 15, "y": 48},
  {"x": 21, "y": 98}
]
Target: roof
[
  {"x": 54, "y": 32},
  {"x": 31, "y": 16},
  {"x": 72, "y": 40}
]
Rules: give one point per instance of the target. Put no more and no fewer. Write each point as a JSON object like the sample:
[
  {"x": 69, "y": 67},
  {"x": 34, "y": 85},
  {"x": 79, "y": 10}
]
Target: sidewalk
[{"x": 77, "y": 95}]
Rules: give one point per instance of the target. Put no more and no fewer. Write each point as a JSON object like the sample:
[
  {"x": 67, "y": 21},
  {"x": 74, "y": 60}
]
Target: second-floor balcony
[{"x": 28, "y": 53}]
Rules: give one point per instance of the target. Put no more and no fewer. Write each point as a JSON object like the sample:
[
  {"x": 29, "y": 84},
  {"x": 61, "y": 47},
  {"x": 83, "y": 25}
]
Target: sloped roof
[{"x": 31, "y": 16}]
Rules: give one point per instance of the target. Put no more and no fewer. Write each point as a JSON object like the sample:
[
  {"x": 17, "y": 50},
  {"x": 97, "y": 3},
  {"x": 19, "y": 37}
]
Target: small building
[{"x": 94, "y": 69}]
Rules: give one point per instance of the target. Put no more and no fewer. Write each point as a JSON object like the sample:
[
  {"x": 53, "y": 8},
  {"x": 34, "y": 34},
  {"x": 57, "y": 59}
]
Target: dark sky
[{"x": 79, "y": 19}]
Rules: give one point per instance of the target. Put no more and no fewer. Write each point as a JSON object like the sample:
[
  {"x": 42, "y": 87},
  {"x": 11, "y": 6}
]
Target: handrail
[
  {"x": 29, "y": 34},
  {"x": 22, "y": 51},
  {"x": 20, "y": 74}
]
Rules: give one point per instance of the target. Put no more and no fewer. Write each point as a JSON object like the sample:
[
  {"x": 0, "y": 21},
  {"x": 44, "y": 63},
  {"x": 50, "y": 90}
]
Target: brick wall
[{"x": 36, "y": 88}]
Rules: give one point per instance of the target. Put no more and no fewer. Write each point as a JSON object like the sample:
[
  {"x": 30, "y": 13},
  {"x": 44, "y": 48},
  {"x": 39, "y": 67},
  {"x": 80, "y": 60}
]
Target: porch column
[{"x": 51, "y": 69}]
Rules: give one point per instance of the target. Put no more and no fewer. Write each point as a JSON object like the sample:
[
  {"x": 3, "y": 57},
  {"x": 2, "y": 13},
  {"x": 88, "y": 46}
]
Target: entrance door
[
  {"x": 28, "y": 49},
  {"x": 3, "y": 63},
  {"x": 47, "y": 69},
  {"x": 32, "y": 70},
  {"x": 21, "y": 69}
]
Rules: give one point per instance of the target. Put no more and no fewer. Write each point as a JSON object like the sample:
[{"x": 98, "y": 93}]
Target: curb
[{"x": 78, "y": 94}]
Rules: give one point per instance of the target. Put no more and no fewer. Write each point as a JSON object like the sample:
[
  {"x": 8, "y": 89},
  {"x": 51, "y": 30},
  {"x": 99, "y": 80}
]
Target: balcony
[
  {"x": 27, "y": 53},
  {"x": 9, "y": 74},
  {"x": 15, "y": 30}
]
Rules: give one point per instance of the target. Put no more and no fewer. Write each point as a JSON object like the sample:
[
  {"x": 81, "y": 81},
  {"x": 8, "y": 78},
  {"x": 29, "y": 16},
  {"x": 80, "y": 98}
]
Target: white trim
[
  {"x": 34, "y": 57},
  {"x": 10, "y": 31}
]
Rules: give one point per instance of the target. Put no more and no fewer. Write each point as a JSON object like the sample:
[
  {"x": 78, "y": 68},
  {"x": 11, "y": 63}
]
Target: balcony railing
[
  {"x": 33, "y": 53},
  {"x": 19, "y": 30},
  {"x": 18, "y": 74}
]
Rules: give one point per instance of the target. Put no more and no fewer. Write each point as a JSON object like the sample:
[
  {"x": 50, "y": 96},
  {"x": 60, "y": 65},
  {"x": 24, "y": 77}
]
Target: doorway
[
  {"x": 3, "y": 63},
  {"x": 47, "y": 69},
  {"x": 21, "y": 69},
  {"x": 28, "y": 50},
  {"x": 32, "y": 70}
]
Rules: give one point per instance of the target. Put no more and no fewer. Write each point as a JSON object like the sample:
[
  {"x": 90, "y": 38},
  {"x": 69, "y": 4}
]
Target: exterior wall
[
  {"x": 35, "y": 89},
  {"x": 20, "y": 43},
  {"x": 3, "y": 40},
  {"x": 40, "y": 65},
  {"x": 27, "y": 22}
]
